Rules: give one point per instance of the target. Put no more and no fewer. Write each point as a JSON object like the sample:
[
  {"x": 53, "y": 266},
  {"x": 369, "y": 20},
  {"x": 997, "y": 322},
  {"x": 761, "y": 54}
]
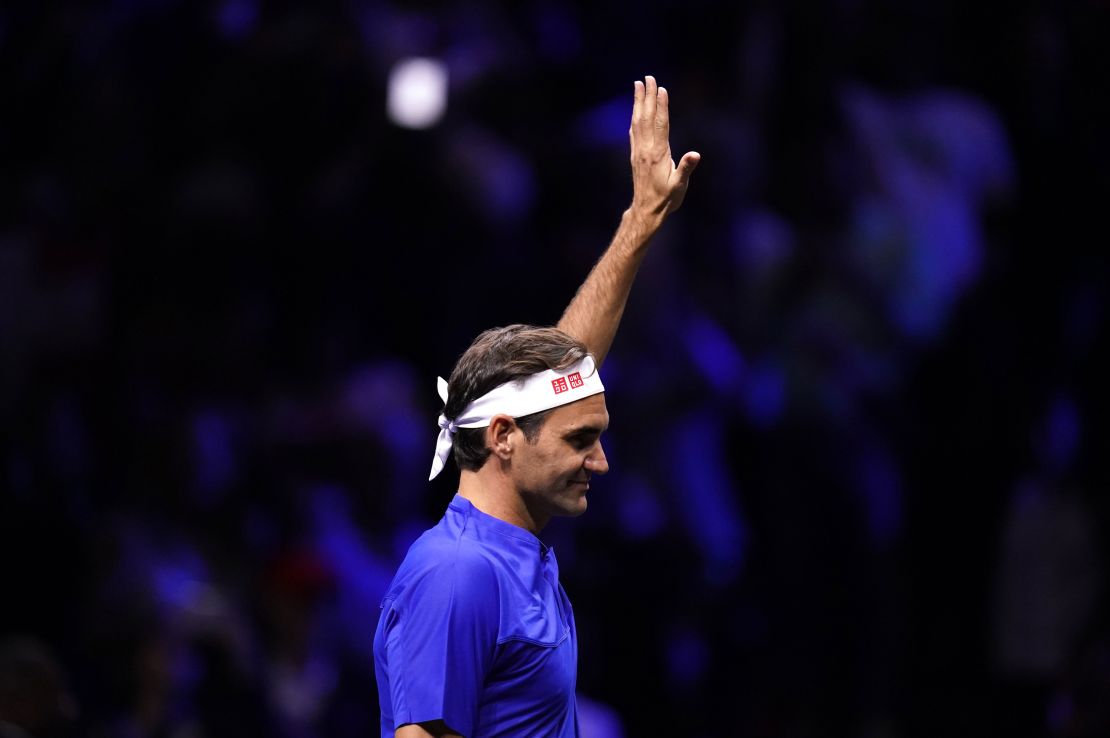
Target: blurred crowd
[{"x": 858, "y": 409}]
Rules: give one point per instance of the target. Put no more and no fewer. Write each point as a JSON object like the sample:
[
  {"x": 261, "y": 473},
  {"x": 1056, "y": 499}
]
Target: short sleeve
[{"x": 440, "y": 639}]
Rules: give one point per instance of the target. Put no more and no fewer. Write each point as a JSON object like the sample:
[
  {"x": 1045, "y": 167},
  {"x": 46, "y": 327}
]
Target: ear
[{"x": 501, "y": 436}]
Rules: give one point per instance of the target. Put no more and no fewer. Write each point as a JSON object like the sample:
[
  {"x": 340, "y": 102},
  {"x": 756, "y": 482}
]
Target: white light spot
[{"x": 417, "y": 95}]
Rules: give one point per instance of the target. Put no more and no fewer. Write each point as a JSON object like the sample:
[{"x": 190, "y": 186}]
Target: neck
[{"x": 495, "y": 495}]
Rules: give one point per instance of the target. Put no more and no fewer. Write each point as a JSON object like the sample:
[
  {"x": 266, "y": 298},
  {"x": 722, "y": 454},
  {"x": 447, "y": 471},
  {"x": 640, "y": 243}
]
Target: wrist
[{"x": 641, "y": 223}]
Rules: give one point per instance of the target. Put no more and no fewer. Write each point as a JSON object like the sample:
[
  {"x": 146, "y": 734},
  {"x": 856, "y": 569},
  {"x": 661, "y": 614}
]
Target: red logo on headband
[
  {"x": 559, "y": 385},
  {"x": 575, "y": 380}
]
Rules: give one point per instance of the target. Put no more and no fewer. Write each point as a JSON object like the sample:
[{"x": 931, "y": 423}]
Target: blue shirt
[{"x": 476, "y": 631}]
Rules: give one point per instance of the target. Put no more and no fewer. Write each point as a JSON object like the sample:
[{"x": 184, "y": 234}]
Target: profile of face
[{"x": 552, "y": 472}]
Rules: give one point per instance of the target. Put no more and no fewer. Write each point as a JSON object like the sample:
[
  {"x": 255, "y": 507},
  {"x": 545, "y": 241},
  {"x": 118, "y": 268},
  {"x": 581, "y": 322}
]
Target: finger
[
  {"x": 637, "y": 104},
  {"x": 663, "y": 116},
  {"x": 685, "y": 168},
  {"x": 651, "y": 92}
]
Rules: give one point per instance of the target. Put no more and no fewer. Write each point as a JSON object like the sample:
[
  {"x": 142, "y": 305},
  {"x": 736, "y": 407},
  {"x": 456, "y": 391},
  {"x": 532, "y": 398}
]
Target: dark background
[{"x": 859, "y": 426}]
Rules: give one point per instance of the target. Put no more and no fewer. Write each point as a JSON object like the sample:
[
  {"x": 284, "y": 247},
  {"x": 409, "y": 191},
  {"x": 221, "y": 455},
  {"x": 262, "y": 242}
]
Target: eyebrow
[{"x": 582, "y": 430}]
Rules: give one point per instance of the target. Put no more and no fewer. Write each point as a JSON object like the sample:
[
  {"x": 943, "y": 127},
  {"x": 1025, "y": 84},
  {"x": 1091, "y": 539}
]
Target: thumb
[{"x": 686, "y": 166}]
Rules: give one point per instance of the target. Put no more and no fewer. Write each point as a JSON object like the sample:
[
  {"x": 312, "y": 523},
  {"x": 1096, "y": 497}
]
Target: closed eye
[{"x": 583, "y": 439}]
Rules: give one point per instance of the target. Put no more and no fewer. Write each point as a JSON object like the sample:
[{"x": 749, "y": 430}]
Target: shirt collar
[{"x": 488, "y": 523}]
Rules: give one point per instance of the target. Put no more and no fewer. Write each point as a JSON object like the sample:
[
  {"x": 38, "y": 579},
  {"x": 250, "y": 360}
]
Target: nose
[{"x": 596, "y": 463}]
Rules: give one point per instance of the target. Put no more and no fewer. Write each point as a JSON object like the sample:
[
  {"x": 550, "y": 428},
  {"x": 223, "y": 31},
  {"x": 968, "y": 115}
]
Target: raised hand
[{"x": 658, "y": 185}]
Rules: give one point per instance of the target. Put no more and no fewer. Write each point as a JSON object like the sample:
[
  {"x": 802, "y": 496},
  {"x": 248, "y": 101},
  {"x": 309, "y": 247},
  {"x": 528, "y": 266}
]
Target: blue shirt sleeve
[{"x": 440, "y": 636}]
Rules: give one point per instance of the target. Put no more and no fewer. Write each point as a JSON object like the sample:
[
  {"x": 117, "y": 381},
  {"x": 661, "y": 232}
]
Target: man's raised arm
[{"x": 658, "y": 187}]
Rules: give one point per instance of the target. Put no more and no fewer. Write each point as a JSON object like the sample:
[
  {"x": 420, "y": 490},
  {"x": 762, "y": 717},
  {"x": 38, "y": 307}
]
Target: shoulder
[{"x": 435, "y": 569}]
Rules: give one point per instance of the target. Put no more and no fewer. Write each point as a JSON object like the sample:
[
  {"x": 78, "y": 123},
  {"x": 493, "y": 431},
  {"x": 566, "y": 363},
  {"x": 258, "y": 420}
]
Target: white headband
[{"x": 517, "y": 398}]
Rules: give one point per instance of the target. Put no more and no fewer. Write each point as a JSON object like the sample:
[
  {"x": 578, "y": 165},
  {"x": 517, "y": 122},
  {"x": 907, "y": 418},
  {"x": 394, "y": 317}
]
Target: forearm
[{"x": 595, "y": 312}]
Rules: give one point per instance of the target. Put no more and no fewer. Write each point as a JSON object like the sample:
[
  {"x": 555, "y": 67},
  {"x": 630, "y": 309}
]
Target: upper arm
[
  {"x": 440, "y": 645},
  {"x": 434, "y": 728}
]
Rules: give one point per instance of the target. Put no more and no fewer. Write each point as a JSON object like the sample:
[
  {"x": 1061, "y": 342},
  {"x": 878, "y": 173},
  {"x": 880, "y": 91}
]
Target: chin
[{"x": 574, "y": 508}]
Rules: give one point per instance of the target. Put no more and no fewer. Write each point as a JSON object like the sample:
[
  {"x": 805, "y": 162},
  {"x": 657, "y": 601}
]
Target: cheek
[
  {"x": 571, "y": 466},
  {"x": 558, "y": 465}
]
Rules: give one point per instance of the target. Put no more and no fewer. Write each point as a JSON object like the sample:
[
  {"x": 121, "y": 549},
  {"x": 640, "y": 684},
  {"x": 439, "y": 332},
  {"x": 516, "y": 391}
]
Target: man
[{"x": 476, "y": 636}]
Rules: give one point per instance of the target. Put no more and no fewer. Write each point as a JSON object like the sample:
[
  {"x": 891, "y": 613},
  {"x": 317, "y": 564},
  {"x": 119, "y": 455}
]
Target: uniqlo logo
[
  {"x": 575, "y": 380},
  {"x": 559, "y": 385}
]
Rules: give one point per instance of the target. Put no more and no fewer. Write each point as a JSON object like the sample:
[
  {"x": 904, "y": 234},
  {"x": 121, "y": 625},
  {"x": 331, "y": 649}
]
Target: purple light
[{"x": 237, "y": 19}]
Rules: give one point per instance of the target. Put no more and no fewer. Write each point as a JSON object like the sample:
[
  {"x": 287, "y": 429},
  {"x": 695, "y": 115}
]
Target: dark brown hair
[{"x": 497, "y": 356}]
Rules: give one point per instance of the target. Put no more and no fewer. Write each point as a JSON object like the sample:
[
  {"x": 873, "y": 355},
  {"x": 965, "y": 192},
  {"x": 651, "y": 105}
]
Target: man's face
[{"x": 552, "y": 473}]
